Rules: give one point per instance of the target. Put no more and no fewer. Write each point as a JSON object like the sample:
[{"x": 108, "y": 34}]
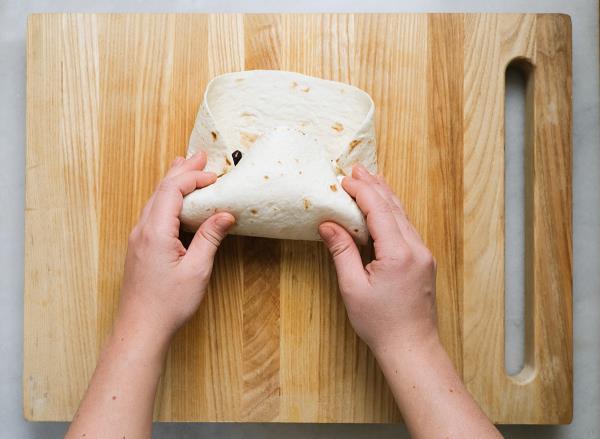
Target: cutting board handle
[{"x": 543, "y": 388}]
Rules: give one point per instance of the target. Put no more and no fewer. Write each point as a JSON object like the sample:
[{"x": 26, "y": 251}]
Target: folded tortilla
[{"x": 298, "y": 136}]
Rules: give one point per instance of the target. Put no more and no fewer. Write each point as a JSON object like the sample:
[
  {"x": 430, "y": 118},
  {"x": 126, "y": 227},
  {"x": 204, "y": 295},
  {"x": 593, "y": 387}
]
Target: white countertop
[{"x": 586, "y": 206}]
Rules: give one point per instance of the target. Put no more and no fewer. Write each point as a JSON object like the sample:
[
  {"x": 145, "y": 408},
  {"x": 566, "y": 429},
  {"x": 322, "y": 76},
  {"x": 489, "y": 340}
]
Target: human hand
[
  {"x": 391, "y": 301},
  {"x": 164, "y": 283}
]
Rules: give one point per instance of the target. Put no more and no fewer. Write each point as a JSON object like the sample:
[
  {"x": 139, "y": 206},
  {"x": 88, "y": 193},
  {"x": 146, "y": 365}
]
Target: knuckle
[
  {"x": 426, "y": 258},
  {"x": 212, "y": 236},
  {"x": 339, "y": 248},
  {"x": 134, "y": 235},
  {"x": 146, "y": 234}
]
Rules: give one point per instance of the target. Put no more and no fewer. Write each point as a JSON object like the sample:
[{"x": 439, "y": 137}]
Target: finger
[
  {"x": 408, "y": 229},
  {"x": 175, "y": 166},
  {"x": 168, "y": 199},
  {"x": 346, "y": 257},
  {"x": 197, "y": 162},
  {"x": 382, "y": 225},
  {"x": 148, "y": 207},
  {"x": 175, "y": 169},
  {"x": 209, "y": 235}
]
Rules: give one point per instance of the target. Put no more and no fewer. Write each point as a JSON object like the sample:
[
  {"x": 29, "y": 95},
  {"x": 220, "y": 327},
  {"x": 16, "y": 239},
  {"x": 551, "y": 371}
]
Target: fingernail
[
  {"x": 224, "y": 221},
  {"x": 327, "y": 232}
]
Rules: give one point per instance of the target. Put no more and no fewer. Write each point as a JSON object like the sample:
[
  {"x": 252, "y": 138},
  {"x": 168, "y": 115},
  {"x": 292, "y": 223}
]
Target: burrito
[{"x": 280, "y": 143}]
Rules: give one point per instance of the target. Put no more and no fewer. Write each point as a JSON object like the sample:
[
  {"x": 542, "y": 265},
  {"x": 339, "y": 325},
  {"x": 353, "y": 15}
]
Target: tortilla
[{"x": 298, "y": 136}]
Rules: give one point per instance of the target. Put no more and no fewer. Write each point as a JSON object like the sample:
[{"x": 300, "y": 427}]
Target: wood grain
[
  {"x": 112, "y": 98},
  {"x": 529, "y": 396}
]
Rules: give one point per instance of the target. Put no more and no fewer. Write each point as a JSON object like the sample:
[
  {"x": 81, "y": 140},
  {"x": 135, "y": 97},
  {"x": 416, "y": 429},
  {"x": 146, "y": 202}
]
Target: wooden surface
[{"x": 111, "y": 99}]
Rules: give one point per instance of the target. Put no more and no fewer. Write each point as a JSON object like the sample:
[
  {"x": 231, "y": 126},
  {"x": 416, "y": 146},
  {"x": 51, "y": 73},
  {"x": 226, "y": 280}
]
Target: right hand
[{"x": 391, "y": 301}]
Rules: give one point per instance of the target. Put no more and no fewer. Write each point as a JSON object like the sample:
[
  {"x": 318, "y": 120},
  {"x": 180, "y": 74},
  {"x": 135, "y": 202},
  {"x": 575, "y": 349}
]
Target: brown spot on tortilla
[
  {"x": 214, "y": 135},
  {"x": 354, "y": 144},
  {"x": 337, "y": 127},
  {"x": 339, "y": 171},
  {"x": 279, "y": 161},
  {"x": 253, "y": 211},
  {"x": 355, "y": 230},
  {"x": 337, "y": 160},
  {"x": 306, "y": 203},
  {"x": 303, "y": 123},
  {"x": 246, "y": 114},
  {"x": 305, "y": 89},
  {"x": 333, "y": 187},
  {"x": 294, "y": 84},
  {"x": 247, "y": 139},
  {"x": 300, "y": 172},
  {"x": 239, "y": 79},
  {"x": 266, "y": 177},
  {"x": 227, "y": 160}
]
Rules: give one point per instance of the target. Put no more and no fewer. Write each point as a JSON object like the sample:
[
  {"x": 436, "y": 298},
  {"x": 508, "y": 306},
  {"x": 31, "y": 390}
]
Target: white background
[{"x": 586, "y": 207}]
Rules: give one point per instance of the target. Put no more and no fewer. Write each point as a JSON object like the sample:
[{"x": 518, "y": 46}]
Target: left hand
[{"x": 164, "y": 283}]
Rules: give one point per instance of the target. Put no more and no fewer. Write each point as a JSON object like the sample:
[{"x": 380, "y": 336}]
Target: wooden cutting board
[{"x": 111, "y": 99}]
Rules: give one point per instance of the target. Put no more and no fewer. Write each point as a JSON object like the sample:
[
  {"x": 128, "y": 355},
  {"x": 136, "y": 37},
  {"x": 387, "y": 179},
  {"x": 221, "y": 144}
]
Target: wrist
[
  {"x": 405, "y": 341},
  {"x": 418, "y": 351},
  {"x": 139, "y": 339}
]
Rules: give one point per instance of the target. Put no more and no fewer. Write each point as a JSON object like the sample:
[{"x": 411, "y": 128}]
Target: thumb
[
  {"x": 209, "y": 235},
  {"x": 346, "y": 257}
]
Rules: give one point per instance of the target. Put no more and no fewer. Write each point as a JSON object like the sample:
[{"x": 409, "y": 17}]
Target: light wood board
[{"x": 111, "y": 99}]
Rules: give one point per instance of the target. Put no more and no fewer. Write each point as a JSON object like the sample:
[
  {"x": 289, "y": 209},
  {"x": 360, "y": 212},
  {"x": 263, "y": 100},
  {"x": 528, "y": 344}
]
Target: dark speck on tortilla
[
  {"x": 355, "y": 230},
  {"x": 236, "y": 156},
  {"x": 305, "y": 89},
  {"x": 266, "y": 177},
  {"x": 306, "y": 203},
  {"x": 214, "y": 135},
  {"x": 227, "y": 160},
  {"x": 253, "y": 211},
  {"x": 354, "y": 144},
  {"x": 333, "y": 187}
]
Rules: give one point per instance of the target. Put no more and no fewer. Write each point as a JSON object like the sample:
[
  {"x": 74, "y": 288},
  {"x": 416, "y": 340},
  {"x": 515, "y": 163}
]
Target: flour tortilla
[{"x": 298, "y": 136}]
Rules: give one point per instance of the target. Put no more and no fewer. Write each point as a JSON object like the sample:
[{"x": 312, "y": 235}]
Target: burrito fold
[{"x": 297, "y": 137}]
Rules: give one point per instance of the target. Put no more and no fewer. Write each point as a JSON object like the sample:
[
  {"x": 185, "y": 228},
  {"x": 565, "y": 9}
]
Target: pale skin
[{"x": 390, "y": 303}]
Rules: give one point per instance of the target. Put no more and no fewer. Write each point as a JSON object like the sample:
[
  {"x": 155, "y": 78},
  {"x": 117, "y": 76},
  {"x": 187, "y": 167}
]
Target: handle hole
[{"x": 518, "y": 84}]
